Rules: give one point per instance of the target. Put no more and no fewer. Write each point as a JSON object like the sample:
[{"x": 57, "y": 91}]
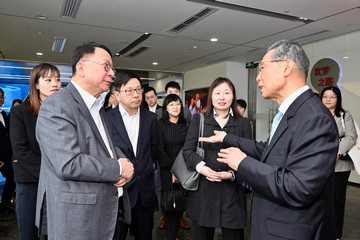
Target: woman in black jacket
[
  {"x": 219, "y": 201},
  {"x": 173, "y": 129},
  {"x": 44, "y": 81}
]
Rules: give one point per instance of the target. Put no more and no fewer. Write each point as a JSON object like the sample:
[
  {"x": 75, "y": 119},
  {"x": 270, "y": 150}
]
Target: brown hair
[{"x": 38, "y": 71}]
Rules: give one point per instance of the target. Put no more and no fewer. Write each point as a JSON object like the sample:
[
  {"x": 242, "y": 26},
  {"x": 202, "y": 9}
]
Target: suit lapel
[
  {"x": 86, "y": 114},
  {"x": 118, "y": 122},
  {"x": 142, "y": 129},
  {"x": 283, "y": 125}
]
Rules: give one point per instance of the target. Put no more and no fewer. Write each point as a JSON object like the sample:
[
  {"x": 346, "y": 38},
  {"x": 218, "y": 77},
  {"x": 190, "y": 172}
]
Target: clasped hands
[
  {"x": 231, "y": 156},
  {"x": 127, "y": 172}
]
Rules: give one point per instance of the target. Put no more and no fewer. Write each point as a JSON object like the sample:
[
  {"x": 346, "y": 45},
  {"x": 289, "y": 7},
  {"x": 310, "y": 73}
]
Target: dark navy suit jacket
[
  {"x": 142, "y": 185},
  {"x": 292, "y": 178}
]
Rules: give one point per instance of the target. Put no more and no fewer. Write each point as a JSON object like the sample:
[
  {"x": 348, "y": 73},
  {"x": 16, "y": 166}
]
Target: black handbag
[{"x": 174, "y": 200}]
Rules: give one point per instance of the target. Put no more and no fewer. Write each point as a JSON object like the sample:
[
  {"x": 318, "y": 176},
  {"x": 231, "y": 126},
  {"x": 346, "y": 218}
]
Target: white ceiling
[{"x": 242, "y": 36}]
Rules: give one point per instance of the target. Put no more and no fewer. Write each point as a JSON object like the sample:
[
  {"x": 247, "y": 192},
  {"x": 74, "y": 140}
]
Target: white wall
[
  {"x": 336, "y": 48},
  {"x": 203, "y": 77}
]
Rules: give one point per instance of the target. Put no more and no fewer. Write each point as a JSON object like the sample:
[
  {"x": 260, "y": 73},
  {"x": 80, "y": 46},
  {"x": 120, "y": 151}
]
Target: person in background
[
  {"x": 332, "y": 99},
  {"x": 241, "y": 103},
  {"x": 150, "y": 97},
  {"x": 219, "y": 201},
  {"x": 110, "y": 100},
  {"x": 173, "y": 87},
  {"x": 291, "y": 174},
  {"x": 173, "y": 129},
  {"x": 135, "y": 131},
  {"x": 6, "y": 169},
  {"x": 195, "y": 106},
  {"x": 16, "y": 102},
  {"x": 81, "y": 170},
  {"x": 44, "y": 81}
]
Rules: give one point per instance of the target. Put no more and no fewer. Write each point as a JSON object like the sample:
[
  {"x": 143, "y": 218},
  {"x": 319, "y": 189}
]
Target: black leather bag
[{"x": 174, "y": 200}]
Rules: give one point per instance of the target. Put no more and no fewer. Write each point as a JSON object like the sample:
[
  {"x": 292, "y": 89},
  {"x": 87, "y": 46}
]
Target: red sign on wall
[{"x": 325, "y": 73}]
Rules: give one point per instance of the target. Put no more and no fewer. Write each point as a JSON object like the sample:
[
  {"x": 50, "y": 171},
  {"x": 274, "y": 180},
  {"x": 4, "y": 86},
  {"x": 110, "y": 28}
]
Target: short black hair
[
  {"x": 172, "y": 84},
  {"x": 241, "y": 103},
  {"x": 2, "y": 91},
  {"x": 165, "y": 115},
  {"x": 123, "y": 77},
  {"x": 149, "y": 89},
  {"x": 85, "y": 48}
]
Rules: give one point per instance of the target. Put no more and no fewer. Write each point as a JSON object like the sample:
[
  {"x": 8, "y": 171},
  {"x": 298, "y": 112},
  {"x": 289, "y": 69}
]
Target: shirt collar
[
  {"x": 291, "y": 98},
  {"x": 216, "y": 115},
  {"x": 89, "y": 99},
  {"x": 123, "y": 112}
]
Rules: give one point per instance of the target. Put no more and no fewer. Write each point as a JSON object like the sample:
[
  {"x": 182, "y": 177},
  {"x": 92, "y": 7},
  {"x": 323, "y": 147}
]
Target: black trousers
[
  {"x": 341, "y": 180},
  {"x": 207, "y": 233},
  {"x": 9, "y": 187},
  {"x": 142, "y": 223},
  {"x": 172, "y": 224}
]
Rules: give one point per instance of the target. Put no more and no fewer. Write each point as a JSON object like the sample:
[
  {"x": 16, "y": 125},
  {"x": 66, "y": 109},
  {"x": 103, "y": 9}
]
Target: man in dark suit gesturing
[
  {"x": 293, "y": 177},
  {"x": 135, "y": 131}
]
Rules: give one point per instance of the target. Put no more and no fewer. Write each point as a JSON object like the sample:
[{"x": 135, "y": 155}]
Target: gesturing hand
[
  {"x": 231, "y": 156},
  {"x": 217, "y": 137}
]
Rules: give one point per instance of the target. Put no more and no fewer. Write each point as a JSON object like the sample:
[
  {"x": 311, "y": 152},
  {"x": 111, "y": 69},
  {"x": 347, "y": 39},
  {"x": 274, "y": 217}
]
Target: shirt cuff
[{"x": 199, "y": 166}]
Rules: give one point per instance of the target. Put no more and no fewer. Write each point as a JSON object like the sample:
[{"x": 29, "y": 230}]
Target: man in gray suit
[{"x": 80, "y": 168}]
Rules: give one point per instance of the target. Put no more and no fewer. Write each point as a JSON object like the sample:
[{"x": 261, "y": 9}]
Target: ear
[
  {"x": 80, "y": 69},
  {"x": 289, "y": 67},
  {"x": 117, "y": 95}
]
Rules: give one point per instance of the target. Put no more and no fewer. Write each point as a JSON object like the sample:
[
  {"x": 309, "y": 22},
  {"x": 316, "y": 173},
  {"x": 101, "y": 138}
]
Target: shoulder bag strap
[{"x": 201, "y": 129}]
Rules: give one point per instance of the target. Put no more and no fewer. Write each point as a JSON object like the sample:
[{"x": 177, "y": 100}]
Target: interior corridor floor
[{"x": 8, "y": 227}]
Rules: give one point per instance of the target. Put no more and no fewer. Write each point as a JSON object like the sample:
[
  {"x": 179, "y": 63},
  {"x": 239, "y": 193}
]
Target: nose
[{"x": 258, "y": 77}]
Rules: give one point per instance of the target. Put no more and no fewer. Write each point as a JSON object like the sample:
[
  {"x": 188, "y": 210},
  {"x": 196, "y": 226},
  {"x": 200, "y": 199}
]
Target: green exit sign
[{"x": 251, "y": 65}]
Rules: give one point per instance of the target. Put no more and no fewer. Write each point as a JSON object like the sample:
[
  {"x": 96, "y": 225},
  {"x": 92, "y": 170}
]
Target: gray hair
[{"x": 285, "y": 49}]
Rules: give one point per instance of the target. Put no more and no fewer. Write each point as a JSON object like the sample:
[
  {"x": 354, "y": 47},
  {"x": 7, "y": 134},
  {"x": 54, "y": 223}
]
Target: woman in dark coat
[
  {"x": 44, "y": 81},
  {"x": 219, "y": 201},
  {"x": 173, "y": 130}
]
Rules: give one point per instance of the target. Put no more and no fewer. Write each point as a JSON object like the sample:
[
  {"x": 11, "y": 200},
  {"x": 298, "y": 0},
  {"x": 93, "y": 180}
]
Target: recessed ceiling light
[
  {"x": 346, "y": 57},
  {"x": 41, "y": 17},
  {"x": 39, "y": 53},
  {"x": 213, "y": 39},
  {"x": 195, "y": 47},
  {"x": 155, "y": 63}
]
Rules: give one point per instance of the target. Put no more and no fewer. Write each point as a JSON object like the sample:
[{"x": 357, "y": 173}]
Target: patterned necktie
[{"x": 275, "y": 124}]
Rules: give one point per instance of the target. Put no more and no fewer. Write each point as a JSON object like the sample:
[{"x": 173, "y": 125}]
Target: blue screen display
[{"x": 14, "y": 79}]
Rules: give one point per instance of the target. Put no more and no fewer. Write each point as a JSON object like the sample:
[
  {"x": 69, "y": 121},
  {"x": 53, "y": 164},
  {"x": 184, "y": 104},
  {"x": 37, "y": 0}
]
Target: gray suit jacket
[{"x": 76, "y": 195}]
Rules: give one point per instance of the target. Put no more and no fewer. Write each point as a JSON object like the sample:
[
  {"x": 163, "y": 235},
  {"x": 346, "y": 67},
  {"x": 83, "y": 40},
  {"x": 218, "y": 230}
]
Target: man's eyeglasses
[
  {"x": 130, "y": 92},
  {"x": 329, "y": 97},
  {"x": 107, "y": 65}
]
